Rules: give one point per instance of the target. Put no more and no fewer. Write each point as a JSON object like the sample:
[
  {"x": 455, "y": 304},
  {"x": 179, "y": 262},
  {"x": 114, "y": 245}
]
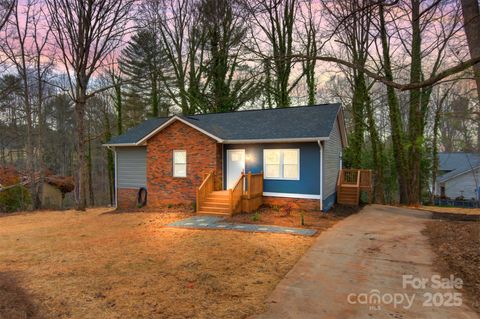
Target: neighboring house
[
  {"x": 298, "y": 149},
  {"x": 458, "y": 175}
]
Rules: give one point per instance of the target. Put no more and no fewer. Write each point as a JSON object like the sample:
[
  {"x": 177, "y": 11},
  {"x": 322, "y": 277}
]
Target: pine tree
[{"x": 144, "y": 65}]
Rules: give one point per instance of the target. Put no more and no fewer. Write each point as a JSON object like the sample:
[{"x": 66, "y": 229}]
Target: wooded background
[{"x": 74, "y": 73}]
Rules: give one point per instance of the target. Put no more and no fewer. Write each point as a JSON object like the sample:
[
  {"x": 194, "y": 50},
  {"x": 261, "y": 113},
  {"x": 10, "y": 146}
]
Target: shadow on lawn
[{"x": 14, "y": 300}]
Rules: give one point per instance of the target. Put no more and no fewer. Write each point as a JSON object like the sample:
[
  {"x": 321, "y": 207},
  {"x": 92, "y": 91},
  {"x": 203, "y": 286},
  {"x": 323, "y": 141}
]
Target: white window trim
[
  {"x": 173, "y": 164},
  {"x": 281, "y": 164}
]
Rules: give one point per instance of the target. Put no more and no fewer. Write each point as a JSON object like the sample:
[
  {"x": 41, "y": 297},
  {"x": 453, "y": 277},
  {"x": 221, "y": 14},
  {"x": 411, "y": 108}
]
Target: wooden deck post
[{"x": 249, "y": 184}]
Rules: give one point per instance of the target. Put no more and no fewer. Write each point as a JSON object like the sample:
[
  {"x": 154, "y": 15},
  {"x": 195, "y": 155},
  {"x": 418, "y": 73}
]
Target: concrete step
[{"x": 205, "y": 212}]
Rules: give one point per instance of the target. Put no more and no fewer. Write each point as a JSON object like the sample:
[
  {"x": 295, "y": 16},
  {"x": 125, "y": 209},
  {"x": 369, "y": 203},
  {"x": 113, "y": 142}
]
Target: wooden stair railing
[
  {"x": 245, "y": 196},
  {"x": 236, "y": 195},
  {"x": 350, "y": 183},
  {"x": 207, "y": 187}
]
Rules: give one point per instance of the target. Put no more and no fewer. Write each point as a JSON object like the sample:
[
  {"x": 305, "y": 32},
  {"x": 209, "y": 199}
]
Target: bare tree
[
  {"x": 6, "y": 9},
  {"x": 86, "y": 32},
  {"x": 471, "y": 20},
  {"x": 25, "y": 45},
  {"x": 276, "y": 19}
]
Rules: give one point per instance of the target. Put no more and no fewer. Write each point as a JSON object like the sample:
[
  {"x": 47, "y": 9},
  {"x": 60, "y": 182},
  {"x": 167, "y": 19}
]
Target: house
[
  {"x": 297, "y": 152},
  {"x": 458, "y": 175}
]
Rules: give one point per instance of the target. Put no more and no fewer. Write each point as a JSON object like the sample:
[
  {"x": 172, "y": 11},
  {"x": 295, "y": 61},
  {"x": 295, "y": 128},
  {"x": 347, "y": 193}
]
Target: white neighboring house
[{"x": 458, "y": 175}]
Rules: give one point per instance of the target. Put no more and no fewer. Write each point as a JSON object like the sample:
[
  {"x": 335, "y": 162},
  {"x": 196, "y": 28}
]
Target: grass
[
  {"x": 451, "y": 210},
  {"x": 100, "y": 264}
]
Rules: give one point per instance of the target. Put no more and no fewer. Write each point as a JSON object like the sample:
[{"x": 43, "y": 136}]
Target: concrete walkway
[
  {"x": 362, "y": 256},
  {"x": 213, "y": 222}
]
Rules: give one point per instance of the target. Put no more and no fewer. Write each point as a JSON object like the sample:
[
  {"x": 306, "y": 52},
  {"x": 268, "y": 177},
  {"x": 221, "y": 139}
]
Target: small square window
[{"x": 179, "y": 163}]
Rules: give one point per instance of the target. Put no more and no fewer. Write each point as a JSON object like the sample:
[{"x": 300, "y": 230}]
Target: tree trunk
[
  {"x": 358, "y": 103},
  {"x": 119, "y": 108},
  {"x": 415, "y": 114},
  {"x": 377, "y": 153},
  {"x": 110, "y": 160},
  {"x": 155, "y": 98},
  {"x": 395, "y": 115},
  {"x": 471, "y": 18},
  {"x": 81, "y": 171},
  {"x": 90, "y": 167},
  {"x": 436, "y": 125}
]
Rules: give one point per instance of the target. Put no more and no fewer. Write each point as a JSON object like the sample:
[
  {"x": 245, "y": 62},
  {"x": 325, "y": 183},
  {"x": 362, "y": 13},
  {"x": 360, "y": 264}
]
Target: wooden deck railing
[
  {"x": 349, "y": 177},
  {"x": 254, "y": 187},
  {"x": 351, "y": 182},
  {"x": 207, "y": 186},
  {"x": 236, "y": 195},
  {"x": 247, "y": 193},
  {"x": 366, "y": 179}
]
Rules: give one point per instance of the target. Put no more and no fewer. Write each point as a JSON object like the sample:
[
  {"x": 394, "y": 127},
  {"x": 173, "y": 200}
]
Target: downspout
[
  {"x": 116, "y": 179},
  {"x": 321, "y": 174}
]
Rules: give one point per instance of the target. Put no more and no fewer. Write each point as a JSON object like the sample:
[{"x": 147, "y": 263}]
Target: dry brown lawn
[
  {"x": 451, "y": 210},
  {"x": 106, "y": 265}
]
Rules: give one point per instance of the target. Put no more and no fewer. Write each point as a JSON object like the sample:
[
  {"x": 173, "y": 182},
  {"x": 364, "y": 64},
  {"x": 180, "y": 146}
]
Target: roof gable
[{"x": 456, "y": 164}]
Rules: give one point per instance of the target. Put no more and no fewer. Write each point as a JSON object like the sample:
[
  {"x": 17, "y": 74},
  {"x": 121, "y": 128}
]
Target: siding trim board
[{"x": 291, "y": 195}]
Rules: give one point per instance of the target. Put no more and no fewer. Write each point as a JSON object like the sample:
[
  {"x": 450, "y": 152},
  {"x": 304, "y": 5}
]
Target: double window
[
  {"x": 179, "y": 163},
  {"x": 281, "y": 164}
]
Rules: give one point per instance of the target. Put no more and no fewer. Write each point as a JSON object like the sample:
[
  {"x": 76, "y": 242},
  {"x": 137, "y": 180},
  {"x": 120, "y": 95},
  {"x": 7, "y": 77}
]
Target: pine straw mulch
[
  {"x": 104, "y": 264},
  {"x": 272, "y": 215},
  {"x": 457, "y": 248}
]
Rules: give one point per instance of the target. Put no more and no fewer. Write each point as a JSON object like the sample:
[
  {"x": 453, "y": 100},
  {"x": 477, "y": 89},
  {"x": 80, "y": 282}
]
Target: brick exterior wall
[
  {"x": 297, "y": 203},
  {"x": 127, "y": 198},
  {"x": 203, "y": 154}
]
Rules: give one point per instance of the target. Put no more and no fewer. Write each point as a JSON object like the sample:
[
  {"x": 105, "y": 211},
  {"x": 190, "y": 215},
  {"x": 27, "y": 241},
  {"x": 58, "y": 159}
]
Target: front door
[{"x": 235, "y": 166}]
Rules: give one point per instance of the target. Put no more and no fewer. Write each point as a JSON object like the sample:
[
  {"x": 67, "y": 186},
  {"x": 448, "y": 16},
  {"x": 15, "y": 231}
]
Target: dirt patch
[
  {"x": 457, "y": 248},
  {"x": 15, "y": 303},
  {"x": 99, "y": 264},
  {"x": 267, "y": 215}
]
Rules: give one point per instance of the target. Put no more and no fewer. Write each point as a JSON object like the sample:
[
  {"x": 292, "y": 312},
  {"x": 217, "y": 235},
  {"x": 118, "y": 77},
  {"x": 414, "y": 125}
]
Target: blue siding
[
  {"x": 309, "y": 182},
  {"x": 329, "y": 201}
]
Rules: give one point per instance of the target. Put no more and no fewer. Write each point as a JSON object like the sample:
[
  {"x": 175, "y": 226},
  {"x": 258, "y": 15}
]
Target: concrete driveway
[{"x": 355, "y": 270}]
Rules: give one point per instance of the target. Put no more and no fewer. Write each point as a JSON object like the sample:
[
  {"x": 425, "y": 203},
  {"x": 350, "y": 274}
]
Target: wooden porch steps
[
  {"x": 244, "y": 196},
  {"x": 350, "y": 183},
  {"x": 216, "y": 203}
]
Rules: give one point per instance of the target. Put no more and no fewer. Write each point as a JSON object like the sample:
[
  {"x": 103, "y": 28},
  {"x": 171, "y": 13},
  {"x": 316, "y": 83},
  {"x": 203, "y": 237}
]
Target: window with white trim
[
  {"x": 179, "y": 163},
  {"x": 281, "y": 164}
]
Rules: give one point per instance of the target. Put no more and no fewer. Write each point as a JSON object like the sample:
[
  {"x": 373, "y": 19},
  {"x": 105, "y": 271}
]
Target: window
[
  {"x": 282, "y": 164},
  {"x": 179, "y": 164}
]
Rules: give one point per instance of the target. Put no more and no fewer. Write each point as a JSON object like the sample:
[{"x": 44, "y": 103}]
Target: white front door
[{"x": 235, "y": 166}]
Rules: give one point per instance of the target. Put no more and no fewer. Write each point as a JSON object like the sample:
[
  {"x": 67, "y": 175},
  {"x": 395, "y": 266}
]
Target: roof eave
[
  {"x": 119, "y": 144},
  {"x": 276, "y": 140},
  {"x": 441, "y": 180}
]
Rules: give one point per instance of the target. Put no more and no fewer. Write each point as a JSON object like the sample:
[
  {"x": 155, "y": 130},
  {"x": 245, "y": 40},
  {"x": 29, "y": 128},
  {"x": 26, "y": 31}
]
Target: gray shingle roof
[
  {"x": 456, "y": 163},
  {"x": 283, "y": 123}
]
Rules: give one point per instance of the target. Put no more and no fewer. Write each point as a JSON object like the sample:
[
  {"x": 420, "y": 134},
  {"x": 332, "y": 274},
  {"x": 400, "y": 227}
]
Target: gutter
[{"x": 251, "y": 141}]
